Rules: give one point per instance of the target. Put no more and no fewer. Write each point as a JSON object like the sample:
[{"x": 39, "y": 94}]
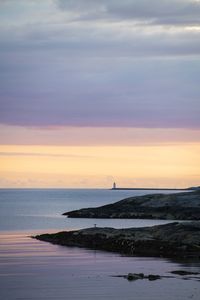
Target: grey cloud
[
  {"x": 101, "y": 73},
  {"x": 108, "y": 39},
  {"x": 101, "y": 42},
  {"x": 156, "y": 11}
]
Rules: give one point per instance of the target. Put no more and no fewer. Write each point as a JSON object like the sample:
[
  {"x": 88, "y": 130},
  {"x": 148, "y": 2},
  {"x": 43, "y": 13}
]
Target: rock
[
  {"x": 152, "y": 277},
  {"x": 178, "y": 206},
  {"x": 133, "y": 276},
  {"x": 136, "y": 276},
  {"x": 183, "y": 273},
  {"x": 179, "y": 240}
]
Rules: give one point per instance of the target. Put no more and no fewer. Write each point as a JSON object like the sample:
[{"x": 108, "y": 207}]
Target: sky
[{"x": 93, "y": 92}]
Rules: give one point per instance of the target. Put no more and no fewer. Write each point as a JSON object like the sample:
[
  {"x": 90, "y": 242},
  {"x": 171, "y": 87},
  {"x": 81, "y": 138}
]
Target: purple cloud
[{"x": 66, "y": 70}]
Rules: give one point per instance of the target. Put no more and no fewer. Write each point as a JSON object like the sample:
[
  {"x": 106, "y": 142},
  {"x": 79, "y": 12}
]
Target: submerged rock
[
  {"x": 133, "y": 276},
  {"x": 136, "y": 276},
  {"x": 169, "y": 240},
  {"x": 178, "y": 206},
  {"x": 152, "y": 277},
  {"x": 183, "y": 273}
]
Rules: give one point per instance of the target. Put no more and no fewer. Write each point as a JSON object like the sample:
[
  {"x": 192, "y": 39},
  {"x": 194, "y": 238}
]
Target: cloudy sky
[{"x": 86, "y": 86}]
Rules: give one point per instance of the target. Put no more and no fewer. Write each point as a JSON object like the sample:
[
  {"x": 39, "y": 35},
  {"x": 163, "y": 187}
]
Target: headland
[
  {"x": 176, "y": 206},
  {"x": 180, "y": 240}
]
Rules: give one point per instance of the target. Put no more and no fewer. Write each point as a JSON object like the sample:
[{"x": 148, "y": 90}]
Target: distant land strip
[
  {"x": 151, "y": 189},
  {"x": 115, "y": 188}
]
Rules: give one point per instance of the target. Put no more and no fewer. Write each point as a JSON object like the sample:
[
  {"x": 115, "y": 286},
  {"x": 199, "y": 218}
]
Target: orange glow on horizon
[{"x": 99, "y": 166}]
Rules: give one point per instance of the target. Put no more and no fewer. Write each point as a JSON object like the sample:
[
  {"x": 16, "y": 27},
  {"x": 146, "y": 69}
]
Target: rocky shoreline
[
  {"x": 177, "y": 206},
  {"x": 178, "y": 240}
]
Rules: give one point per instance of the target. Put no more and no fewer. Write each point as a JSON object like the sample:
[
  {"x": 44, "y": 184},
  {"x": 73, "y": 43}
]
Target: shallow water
[{"x": 31, "y": 269}]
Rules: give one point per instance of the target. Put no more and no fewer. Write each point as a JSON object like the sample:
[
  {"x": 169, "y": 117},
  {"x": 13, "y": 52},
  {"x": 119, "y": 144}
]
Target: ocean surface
[{"x": 31, "y": 269}]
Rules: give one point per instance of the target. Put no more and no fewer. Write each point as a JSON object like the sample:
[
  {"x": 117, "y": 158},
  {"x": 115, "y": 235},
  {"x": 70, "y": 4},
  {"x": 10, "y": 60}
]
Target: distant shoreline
[{"x": 151, "y": 189}]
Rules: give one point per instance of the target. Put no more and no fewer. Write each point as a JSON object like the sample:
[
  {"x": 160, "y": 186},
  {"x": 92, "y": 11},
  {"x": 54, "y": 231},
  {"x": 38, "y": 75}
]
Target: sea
[{"x": 32, "y": 269}]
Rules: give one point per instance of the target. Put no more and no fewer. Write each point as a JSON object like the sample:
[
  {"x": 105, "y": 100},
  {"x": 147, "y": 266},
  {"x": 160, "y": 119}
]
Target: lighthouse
[{"x": 114, "y": 186}]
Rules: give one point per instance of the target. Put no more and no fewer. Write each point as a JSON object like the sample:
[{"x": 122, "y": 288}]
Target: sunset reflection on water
[{"x": 31, "y": 269}]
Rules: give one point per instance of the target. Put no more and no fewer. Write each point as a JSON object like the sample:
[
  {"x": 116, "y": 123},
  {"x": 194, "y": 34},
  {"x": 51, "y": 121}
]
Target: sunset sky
[{"x": 93, "y": 92}]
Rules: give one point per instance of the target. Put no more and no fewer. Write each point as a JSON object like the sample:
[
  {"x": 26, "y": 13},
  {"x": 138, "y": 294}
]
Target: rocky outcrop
[
  {"x": 136, "y": 276},
  {"x": 170, "y": 240},
  {"x": 186, "y": 275},
  {"x": 178, "y": 206}
]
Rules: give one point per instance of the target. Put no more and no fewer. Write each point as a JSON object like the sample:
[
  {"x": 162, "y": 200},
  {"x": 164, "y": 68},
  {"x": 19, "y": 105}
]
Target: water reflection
[{"x": 31, "y": 269}]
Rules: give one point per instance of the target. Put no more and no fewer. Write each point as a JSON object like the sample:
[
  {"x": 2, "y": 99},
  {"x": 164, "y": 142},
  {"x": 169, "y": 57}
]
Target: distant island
[
  {"x": 115, "y": 188},
  {"x": 176, "y": 206}
]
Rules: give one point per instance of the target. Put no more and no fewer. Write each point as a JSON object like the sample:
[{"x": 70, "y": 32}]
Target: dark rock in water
[
  {"x": 152, "y": 277},
  {"x": 183, "y": 273},
  {"x": 133, "y": 276},
  {"x": 136, "y": 276},
  {"x": 178, "y": 240},
  {"x": 178, "y": 206}
]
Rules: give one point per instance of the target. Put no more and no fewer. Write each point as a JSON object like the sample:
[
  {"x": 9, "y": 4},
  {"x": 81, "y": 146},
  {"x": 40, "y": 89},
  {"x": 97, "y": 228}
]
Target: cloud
[
  {"x": 38, "y": 154},
  {"x": 99, "y": 63},
  {"x": 99, "y": 92},
  {"x": 87, "y": 136},
  {"x": 45, "y": 28},
  {"x": 158, "y": 12}
]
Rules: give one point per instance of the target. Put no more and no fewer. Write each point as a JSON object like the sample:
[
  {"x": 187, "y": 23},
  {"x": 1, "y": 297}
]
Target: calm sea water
[
  {"x": 26, "y": 209},
  {"x": 35, "y": 270}
]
